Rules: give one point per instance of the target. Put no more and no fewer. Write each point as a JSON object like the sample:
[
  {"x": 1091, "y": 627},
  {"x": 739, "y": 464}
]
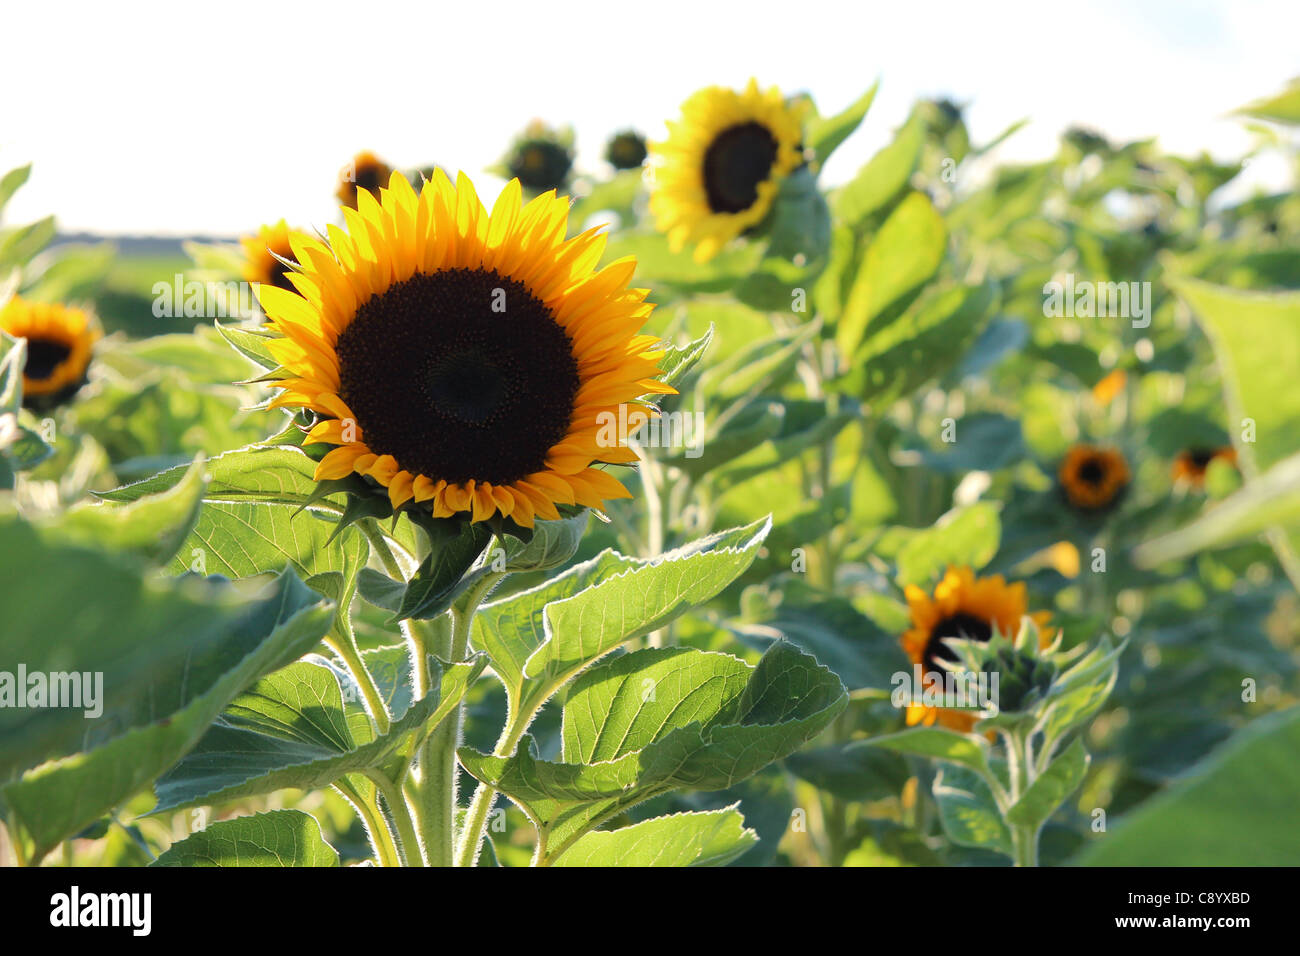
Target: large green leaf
[
  {"x": 883, "y": 177},
  {"x": 582, "y": 628},
  {"x": 703, "y": 838},
  {"x": 271, "y": 475},
  {"x": 304, "y": 727},
  {"x": 276, "y": 838},
  {"x": 966, "y": 537},
  {"x": 152, "y": 526},
  {"x": 904, "y": 254},
  {"x": 661, "y": 719},
  {"x": 172, "y": 656},
  {"x": 825, "y": 134},
  {"x": 1237, "y": 807}
]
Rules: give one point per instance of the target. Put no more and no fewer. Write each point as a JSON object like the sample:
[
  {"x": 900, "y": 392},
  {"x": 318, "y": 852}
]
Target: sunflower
[
  {"x": 1191, "y": 465},
  {"x": 962, "y": 606},
  {"x": 718, "y": 172},
  {"x": 59, "y": 342},
  {"x": 1093, "y": 478},
  {"x": 263, "y": 254},
  {"x": 462, "y": 360},
  {"x": 540, "y": 162},
  {"x": 626, "y": 150},
  {"x": 366, "y": 172}
]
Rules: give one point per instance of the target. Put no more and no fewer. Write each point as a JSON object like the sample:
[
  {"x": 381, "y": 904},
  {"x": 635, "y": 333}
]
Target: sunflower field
[{"x": 683, "y": 510}]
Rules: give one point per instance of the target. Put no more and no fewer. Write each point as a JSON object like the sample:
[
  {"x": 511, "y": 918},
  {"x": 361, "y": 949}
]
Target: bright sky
[{"x": 168, "y": 118}]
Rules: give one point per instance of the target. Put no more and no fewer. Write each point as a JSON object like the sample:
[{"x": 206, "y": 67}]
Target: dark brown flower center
[
  {"x": 736, "y": 162},
  {"x": 1092, "y": 471},
  {"x": 370, "y": 177},
  {"x": 1201, "y": 457},
  {"x": 459, "y": 374},
  {"x": 962, "y": 625},
  {"x": 44, "y": 357}
]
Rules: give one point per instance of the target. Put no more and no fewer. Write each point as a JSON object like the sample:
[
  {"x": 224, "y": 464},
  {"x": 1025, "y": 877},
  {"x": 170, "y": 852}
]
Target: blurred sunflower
[
  {"x": 1093, "y": 478},
  {"x": 59, "y": 343},
  {"x": 962, "y": 606},
  {"x": 366, "y": 172},
  {"x": 719, "y": 171},
  {"x": 460, "y": 360},
  {"x": 626, "y": 150},
  {"x": 263, "y": 252},
  {"x": 1191, "y": 464},
  {"x": 541, "y": 158}
]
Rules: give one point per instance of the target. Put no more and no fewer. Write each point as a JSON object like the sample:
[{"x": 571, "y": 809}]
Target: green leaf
[
  {"x": 860, "y": 652},
  {"x": 704, "y": 838},
  {"x": 937, "y": 743},
  {"x": 19, "y": 244},
  {"x": 904, "y": 254},
  {"x": 441, "y": 576},
  {"x": 825, "y": 134},
  {"x": 1271, "y": 500},
  {"x": 244, "y": 540},
  {"x": 660, "y": 719},
  {"x": 678, "y": 362},
  {"x": 152, "y": 526},
  {"x": 304, "y": 727},
  {"x": 1051, "y": 788},
  {"x": 553, "y": 544},
  {"x": 584, "y": 627},
  {"x": 851, "y": 772},
  {"x": 968, "y": 536},
  {"x": 968, "y": 811},
  {"x": 172, "y": 656},
  {"x": 924, "y": 342},
  {"x": 13, "y": 357},
  {"x": 1237, "y": 807},
  {"x": 270, "y": 475},
  {"x": 11, "y": 182},
  {"x": 1281, "y": 108},
  {"x": 883, "y": 177},
  {"x": 276, "y": 838},
  {"x": 250, "y": 342}
]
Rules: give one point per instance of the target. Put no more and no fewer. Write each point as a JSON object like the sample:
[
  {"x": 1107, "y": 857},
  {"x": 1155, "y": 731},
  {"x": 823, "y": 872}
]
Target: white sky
[{"x": 146, "y": 118}]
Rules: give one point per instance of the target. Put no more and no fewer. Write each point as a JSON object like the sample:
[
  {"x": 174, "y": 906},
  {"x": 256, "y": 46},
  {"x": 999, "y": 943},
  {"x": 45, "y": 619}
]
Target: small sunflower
[
  {"x": 366, "y": 172},
  {"x": 263, "y": 252},
  {"x": 59, "y": 343},
  {"x": 626, "y": 150},
  {"x": 461, "y": 360},
  {"x": 541, "y": 158},
  {"x": 1093, "y": 478},
  {"x": 962, "y": 606},
  {"x": 718, "y": 172},
  {"x": 1191, "y": 465}
]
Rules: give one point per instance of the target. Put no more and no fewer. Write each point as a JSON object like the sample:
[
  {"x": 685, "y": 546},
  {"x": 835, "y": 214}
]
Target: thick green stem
[
  {"x": 400, "y": 813},
  {"x": 345, "y": 646},
  {"x": 381, "y": 839},
  {"x": 471, "y": 838},
  {"x": 439, "y": 773}
]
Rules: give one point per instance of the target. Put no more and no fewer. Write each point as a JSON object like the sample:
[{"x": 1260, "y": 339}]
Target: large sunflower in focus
[
  {"x": 462, "y": 360},
  {"x": 59, "y": 343},
  {"x": 1093, "y": 478},
  {"x": 962, "y": 606},
  {"x": 263, "y": 254},
  {"x": 718, "y": 172}
]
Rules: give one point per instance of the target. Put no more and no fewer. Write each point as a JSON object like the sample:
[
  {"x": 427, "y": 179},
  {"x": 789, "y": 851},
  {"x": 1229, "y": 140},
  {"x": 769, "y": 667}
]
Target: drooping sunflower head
[
  {"x": 1092, "y": 479},
  {"x": 465, "y": 362},
  {"x": 1192, "y": 464},
  {"x": 263, "y": 254},
  {"x": 719, "y": 171},
  {"x": 366, "y": 172},
  {"x": 961, "y": 606},
  {"x": 59, "y": 344},
  {"x": 626, "y": 150}
]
